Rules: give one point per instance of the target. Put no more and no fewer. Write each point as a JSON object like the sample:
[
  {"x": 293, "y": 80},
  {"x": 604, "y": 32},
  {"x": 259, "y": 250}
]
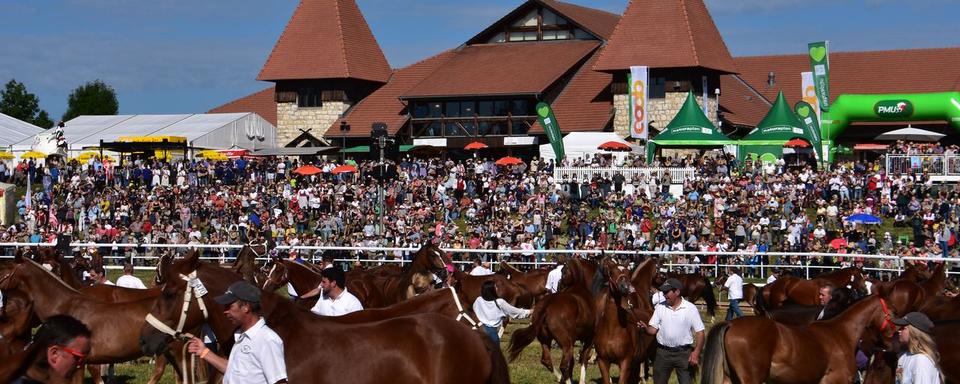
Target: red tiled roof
[
  {"x": 598, "y": 22},
  {"x": 739, "y": 104},
  {"x": 586, "y": 103},
  {"x": 384, "y": 105},
  {"x": 871, "y": 72},
  {"x": 502, "y": 69},
  {"x": 260, "y": 102},
  {"x": 326, "y": 39},
  {"x": 666, "y": 34}
]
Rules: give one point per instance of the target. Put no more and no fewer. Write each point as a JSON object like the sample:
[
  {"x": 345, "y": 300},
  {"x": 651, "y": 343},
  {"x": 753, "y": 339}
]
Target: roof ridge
[
  {"x": 686, "y": 23},
  {"x": 585, "y": 7},
  {"x": 343, "y": 43},
  {"x": 614, "y": 33},
  {"x": 277, "y": 44},
  {"x": 752, "y": 89}
]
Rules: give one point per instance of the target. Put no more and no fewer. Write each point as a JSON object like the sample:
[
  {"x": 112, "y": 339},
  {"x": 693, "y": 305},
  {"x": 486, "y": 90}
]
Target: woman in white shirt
[
  {"x": 491, "y": 309},
  {"x": 920, "y": 363}
]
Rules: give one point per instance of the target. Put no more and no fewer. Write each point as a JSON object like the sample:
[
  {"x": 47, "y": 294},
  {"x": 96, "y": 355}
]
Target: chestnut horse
[
  {"x": 695, "y": 287},
  {"x": 534, "y": 282},
  {"x": 757, "y": 349},
  {"x": 620, "y": 306},
  {"x": 804, "y": 292},
  {"x": 946, "y": 334},
  {"x": 514, "y": 294},
  {"x": 567, "y": 316},
  {"x": 392, "y": 288},
  {"x": 416, "y": 348}
]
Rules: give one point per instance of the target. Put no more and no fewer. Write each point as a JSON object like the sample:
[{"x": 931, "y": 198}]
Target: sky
[{"x": 188, "y": 56}]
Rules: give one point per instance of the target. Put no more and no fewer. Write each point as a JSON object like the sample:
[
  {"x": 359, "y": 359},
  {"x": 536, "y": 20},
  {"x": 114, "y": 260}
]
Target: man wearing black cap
[
  {"x": 257, "y": 355},
  {"x": 679, "y": 330},
  {"x": 921, "y": 362},
  {"x": 336, "y": 301}
]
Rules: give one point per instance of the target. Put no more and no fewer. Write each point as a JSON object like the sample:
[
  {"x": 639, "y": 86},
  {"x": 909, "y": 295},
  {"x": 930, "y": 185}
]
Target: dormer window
[{"x": 539, "y": 24}]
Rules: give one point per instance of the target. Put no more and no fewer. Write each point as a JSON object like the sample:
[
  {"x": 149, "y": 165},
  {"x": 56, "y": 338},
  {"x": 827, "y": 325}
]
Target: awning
[
  {"x": 405, "y": 147},
  {"x": 357, "y": 149},
  {"x": 295, "y": 151},
  {"x": 870, "y": 147}
]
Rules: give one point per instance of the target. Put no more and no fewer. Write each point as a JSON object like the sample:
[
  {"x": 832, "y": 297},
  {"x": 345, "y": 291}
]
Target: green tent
[
  {"x": 777, "y": 127},
  {"x": 357, "y": 149},
  {"x": 689, "y": 128}
]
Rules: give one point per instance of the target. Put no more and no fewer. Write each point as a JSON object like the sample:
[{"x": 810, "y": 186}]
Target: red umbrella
[
  {"x": 509, "y": 160},
  {"x": 344, "y": 169},
  {"x": 307, "y": 170},
  {"x": 475, "y": 146},
  {"x": 614, "y": 146},
  {"x": 800, "y": 143},
  {"x": 838, "y": 243}
]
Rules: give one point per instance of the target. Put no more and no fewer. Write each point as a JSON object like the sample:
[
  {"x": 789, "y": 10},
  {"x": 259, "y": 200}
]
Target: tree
[
  {"x": 92, "y": 98},
  {"x": 16, "y": 102}
]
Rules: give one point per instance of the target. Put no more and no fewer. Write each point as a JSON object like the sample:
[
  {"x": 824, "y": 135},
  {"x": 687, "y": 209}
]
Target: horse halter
[
  {"x": 192, "y": 290},
  {"x": 887, "y": 315}
]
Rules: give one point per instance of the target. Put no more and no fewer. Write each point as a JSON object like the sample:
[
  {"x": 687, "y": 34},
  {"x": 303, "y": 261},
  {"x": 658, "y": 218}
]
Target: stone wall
[
  {"x": 660, "y": 111},
  {"x": 291, "y": 119}
]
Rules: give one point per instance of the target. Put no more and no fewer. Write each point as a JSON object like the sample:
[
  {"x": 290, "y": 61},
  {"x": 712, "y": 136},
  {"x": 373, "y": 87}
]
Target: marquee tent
[
  {"x": 13, "y": 130},
  {"x": 584, "y": 144},
  {"x": 689, "y": 128},
  {"x": 212, "y": 130},
  {"x": 777, "y": 127}
]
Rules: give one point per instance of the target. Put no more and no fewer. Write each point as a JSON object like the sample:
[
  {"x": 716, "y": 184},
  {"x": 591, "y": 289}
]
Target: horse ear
[{"x": 18, "y": 256}]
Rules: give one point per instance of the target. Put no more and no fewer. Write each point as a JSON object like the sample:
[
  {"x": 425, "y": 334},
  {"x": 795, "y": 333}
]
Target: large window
[
  {"x": 308, "y": 97},
  {"x": 459, "y": 118}
]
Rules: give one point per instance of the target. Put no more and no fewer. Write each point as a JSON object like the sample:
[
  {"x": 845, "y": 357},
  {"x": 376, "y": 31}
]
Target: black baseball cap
[
  {"x": 918, "y": 320},
  {"x": 670, "y": 285},
  {"x": 240, "y": 290}
]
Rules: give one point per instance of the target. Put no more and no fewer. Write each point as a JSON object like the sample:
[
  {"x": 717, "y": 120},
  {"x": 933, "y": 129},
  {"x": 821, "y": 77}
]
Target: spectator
[
  {"x": 63, "y": 344},
  {"x": 128, "y": 280}
]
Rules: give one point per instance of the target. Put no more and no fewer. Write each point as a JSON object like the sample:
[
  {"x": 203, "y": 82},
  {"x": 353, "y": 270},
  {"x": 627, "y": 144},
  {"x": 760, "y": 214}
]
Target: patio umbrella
[
  {"x": 799, "y": 143},
  {"x": 838, "y": 243},
  {"x": 344, "y": 169},
  {"x": 509, "y": 160},
  {"x": 33, "y": 155},
  {"x": 6, "y": 155},
  {"x": 475, "y": 146},
  {"x": 911, "y": 133},
  {"x": 863, "y": 218},
  {"x": 307, "y": 170},
  {"x": 614, "y": 146}
]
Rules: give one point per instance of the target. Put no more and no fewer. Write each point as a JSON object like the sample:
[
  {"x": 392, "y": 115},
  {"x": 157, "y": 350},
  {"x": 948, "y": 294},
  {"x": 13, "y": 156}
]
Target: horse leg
[
  {"x": 625, "y": 370},
  {"x": 95, "y": 373},
  {"x": 159, "y": 365},
  {"x": 566, "y": 364},
  {"x": 604, "y": 367},
  {"x": 585, "y": 356}
]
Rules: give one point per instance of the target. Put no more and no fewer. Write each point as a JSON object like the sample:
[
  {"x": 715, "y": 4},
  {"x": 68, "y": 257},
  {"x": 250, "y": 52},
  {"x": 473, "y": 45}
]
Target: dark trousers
[
  {"x": 669, "y": 360},
  {"x": 734, "y": 309},
  {"x": 494, "y": 334}
]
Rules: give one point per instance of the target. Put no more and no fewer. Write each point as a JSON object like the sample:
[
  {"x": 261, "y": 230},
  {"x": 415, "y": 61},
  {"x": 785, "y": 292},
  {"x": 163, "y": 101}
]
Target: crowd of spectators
[{"x": 472, "y": 203}]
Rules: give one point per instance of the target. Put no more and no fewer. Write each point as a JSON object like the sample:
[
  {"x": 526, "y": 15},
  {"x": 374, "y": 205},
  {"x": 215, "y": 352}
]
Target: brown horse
[
  {"x": 620, "y": 306},
  {"x": 567, "y": 316},
  {"x": 804, "y": 292},
  {"x": 534, "y": 282},
  {"x": 470, "y": 285},
  {"x": 695, "y": 287},
  {"x": 414, "y": 346},
  {"x": 946, "y": 334},
  {"x": 750, "y": 291},
  {"x": 756, "y": 349},
  {"x": 393, "y": 288}
]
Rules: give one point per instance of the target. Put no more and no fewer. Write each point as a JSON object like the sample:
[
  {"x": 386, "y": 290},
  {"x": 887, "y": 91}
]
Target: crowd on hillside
[{"x": 474, "y": 203}]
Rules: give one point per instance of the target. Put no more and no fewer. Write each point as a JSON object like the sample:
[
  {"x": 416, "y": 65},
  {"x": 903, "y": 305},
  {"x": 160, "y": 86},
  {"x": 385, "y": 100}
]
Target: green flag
[
  {"x": 549, "y": 123},
  {"x": 820, "y": 65},
  {"x": 808, "y": 117}
]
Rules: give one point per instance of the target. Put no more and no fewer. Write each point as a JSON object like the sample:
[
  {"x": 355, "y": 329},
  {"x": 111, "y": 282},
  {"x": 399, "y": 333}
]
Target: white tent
[
  {"x": 213, "y": 131},
  {"x": 13, "y": 130},
  {"x": 584, "y": 144}
]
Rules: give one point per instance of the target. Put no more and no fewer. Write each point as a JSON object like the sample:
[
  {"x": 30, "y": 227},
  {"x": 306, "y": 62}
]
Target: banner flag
[
  {"x": 639, "y": 78},
  {"x": 809, "y": 92},
  {"x": 820, "y": 65},
  {"x": 705, "y": 100},
  {"x": 807, "y": 116},
  {"x": 549, "y": 123}
]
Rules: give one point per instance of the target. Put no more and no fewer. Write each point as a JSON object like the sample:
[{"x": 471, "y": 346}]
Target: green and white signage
[
  {"x": 549, "y": 123},
  {"x": 820, "y": 65},
  {"x": 894, "y": 109}
]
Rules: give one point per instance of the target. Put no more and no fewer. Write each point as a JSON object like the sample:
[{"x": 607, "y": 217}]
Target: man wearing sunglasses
[{"x": 63, "y": 344}]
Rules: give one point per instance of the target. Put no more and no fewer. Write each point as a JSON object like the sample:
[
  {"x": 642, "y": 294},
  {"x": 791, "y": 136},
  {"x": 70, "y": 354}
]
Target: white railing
[
  {"x": 677, "y": 175},
  {"x": 933, "y": 165}
]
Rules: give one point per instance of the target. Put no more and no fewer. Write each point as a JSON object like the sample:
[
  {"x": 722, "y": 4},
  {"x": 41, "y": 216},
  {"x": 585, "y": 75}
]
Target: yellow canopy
[
  {"x": 33, "y": 155},
  {"x": 84, "y": 156},
  {"x": 210, "y": 154},
  {"x": 153, "y": 139},
  {"x": 6, "y": 156}
]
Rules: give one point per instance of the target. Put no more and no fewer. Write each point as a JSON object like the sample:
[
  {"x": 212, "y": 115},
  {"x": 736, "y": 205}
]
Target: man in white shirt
[
  {"x": 679, "y": 330},
  {"x": 773, "y": 275},
  {"x": 128, "y": 280},
  {"x": 734, "y": 285},
  {"x": 257, "y": 355},
  {"x": 553, "y": 277},
  {"x": 479, "y": 269},
  {"x": 99, "y": 276},
  {"x": 336, "y": 301}
]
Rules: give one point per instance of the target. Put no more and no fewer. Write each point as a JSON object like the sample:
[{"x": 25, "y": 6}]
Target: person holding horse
[
  {"x": 128, "y": 280},
  {"x": 98, "y": 276},
  {"x": 679, "y": 331},
  {"x": 491, "y": 309},
  {"x": 257, "y": 355},
  {"x": 553, "y": 277},
  {"x": 734, "y": 285},
  {"x": 63, "y": 343},
  {"x": 336, "y": 301},
  {"x": 921, "y": 361}
]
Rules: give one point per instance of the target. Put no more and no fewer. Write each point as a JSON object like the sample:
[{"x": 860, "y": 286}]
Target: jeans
[
  {"x": 493, "y": 332},
  {"x": 734, "y": 309}
]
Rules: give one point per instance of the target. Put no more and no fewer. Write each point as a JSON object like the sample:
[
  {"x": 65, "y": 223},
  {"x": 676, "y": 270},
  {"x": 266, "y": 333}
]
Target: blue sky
[{"x": 187, "y": 56}]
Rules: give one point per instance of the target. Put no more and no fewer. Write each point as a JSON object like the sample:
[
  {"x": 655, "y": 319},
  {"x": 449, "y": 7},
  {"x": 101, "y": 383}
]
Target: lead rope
[
  {"x": 178, "y": 333},
  {"x": 463, "y": 314}
]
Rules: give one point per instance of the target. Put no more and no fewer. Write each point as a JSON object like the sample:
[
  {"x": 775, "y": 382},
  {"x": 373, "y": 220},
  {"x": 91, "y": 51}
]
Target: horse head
[
  {"x": 169, "y": 318},
  {"x": 432, "y": 259},
  {"x": 276, "y": 275}
]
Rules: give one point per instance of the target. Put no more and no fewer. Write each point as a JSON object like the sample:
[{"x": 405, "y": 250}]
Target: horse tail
[
  {"x": 499, "y": 371},
  {"x": 709, "y": 297},
  {"x": 714, "y": 356},
  {"x": 522, "y": 337},
  {"x": 759, "y": 304}
]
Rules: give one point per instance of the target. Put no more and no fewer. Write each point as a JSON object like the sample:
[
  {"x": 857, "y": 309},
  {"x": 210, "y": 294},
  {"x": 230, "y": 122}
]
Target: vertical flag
[
  {"x": 809, "y": 95},
  {"x": 639, "y": 79},
  {"x": 820, "y": 65},
  {"x": 808, "y": 117},
  {"x": 549, "y": 123},
  {"x": 705, "y": 99}
]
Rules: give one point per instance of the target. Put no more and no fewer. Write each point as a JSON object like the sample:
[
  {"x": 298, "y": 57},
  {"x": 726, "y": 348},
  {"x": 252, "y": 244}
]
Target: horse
[
  {"x": 470, "y": 285},
  {"x": 757, "y": 349},
  {"x": 750, "y": 291},
  {"x": 804, "y": 292},
  {"x": 393, "y": 288},
  {"x": 620, "y": 307},
  {"x": 694, "y": 287},
  {"x": 567, "y": 317},
  {"x": 883, "y": 366},
  {"x": 411, "y": 345},
  {"x": 534, "y": 282}
]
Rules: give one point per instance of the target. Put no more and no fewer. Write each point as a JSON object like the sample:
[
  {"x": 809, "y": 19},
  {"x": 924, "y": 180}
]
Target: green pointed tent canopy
[
  {"x": 689, "y": 128},
  {"x": 780, "y": 125}
]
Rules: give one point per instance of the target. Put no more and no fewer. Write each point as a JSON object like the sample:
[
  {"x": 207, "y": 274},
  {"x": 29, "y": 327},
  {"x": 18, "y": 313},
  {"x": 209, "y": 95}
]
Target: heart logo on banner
[
  {"x": 818, "y": 53},
  {"x": 803, "y": 111}
]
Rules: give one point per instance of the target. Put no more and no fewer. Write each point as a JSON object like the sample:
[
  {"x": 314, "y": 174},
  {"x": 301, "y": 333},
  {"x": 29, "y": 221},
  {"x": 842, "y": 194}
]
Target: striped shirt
[{"x": 676, "y": 327}]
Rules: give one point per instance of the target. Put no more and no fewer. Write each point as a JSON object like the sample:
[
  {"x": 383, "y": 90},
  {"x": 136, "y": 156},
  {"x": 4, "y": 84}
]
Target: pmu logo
[{"x": 893, "y": 108}]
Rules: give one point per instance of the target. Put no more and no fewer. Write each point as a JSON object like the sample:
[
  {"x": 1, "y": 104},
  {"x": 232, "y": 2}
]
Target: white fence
[
  {"x": 380, "y": 255},
  {"x": 933, "y": 165},
  {"x": 677, "y": 175}
]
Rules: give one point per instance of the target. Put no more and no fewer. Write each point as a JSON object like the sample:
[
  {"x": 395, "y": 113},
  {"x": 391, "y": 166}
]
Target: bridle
[
  {"x": 194, "y": 289},
  {"x": 887, "y": 315}
]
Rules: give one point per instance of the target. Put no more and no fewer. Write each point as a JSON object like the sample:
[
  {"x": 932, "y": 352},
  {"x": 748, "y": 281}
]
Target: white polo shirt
[
  {"x": 256, "y": 358},
  {"x": 480, "y": 271},
  {"x": 916, "y": 369},
  {"x": 675, "y": 327},
  {"x": 343, "y": 305},
  {"x": 734, "y": 285},
  {"x": 553, "y": 279},
  {"x": 129, "y": 281}
]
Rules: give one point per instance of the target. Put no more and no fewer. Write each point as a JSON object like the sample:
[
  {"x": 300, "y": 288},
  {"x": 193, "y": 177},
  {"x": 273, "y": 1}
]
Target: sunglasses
[{"x": 78, "y": 357}]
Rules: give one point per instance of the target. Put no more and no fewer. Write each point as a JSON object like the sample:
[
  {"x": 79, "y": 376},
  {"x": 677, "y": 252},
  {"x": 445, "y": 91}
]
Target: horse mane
[{"x": 54, "y": 277}]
